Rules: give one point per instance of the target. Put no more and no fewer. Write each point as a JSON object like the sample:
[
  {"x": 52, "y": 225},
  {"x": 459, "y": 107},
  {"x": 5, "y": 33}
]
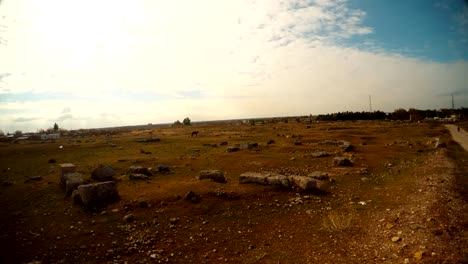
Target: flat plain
[{"x": 403, "y": 200}]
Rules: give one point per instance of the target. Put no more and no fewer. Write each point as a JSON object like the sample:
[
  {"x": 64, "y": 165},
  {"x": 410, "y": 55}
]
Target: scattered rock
[
  {"x": 396, "y": 239},
  {"x": 173, "y": 220},
  {"x": 140, "y": 170},
  {"x": 320, "y": 154},
  {"x": 103, "y": 173},
  {"x": 7, "y": 183},
  {"x": 98, "y": 194},
  {"x": 138, "y": 176},
  {"x": 129, "y": 218},
  {"x": 148, "y": 140},
  {"x": 214, "y": 175},
  {"x": 297, "y": 143},
  {"x": 248, "y": 145},
  {"x": 51, "y": 161},
  {"x": 342, "y": 161},
  {"x": 191, "y": 197},
  {"x": 35, "y": 178},
  {"x": 271, "y": 141},
  {"x": 162, "y": 168},
  {"x": 224, "y": 143},
  {"x": 232, "y": 149},
  {"x": 418, "y": 255}
]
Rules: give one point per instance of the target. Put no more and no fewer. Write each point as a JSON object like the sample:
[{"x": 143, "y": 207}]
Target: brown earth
[{"x": 402, "y": 202}]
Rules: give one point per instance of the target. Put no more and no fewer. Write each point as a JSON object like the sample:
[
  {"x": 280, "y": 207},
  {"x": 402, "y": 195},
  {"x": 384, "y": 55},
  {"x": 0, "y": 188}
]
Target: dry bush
[{"x": 335, "y": 221}]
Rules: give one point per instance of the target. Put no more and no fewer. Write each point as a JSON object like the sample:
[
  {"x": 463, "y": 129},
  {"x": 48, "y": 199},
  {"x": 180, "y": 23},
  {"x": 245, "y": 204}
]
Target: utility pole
[
  {"x": 453, "y": 101},
  {"x": 370, "y": 103}
]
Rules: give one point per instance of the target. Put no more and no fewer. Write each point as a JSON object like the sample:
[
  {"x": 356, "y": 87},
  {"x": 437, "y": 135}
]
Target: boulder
[
  {"x": 71, "y": 181},
  {"x": 98, "y": 194},
  {"x": 140, "y": 170},
  {"x": 253, "y": 177},
  {"x": 103, "y": 173},
  {"x": 342, "y": 161},
  {"x": 138, "y": 176},
  {"x": 214, "y": 175}
]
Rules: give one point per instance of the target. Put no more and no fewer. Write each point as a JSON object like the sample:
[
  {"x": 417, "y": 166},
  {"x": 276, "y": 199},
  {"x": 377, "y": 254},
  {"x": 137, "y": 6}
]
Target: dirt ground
[{"x": 403, "y": 200}]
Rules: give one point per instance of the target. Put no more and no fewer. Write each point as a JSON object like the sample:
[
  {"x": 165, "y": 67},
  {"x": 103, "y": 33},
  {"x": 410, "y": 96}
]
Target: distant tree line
[{"x": 398, "y": 114}]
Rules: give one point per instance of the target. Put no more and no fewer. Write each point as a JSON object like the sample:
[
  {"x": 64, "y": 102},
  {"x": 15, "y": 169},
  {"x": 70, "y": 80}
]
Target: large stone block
[
  {"x": 98, "y": 194},
  {"x": 64, "y": 169},
  {"x": 72, "y": 181}
]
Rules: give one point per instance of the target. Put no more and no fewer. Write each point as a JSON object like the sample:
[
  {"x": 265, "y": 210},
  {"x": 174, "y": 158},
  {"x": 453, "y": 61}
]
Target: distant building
[{"x": 50, "y": 136}]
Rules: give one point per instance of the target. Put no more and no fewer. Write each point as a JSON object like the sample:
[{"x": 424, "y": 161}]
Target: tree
[
  {"x": 18, "y": 133},
  {"x": 56, "y": 127},
  {"x": 2, "y": 133},
  {"x": 177, "y": 123},
  {"x": 186, "y": 121}
]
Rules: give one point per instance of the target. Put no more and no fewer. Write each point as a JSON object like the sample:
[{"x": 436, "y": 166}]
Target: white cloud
[{"x": 122, "y": 62}]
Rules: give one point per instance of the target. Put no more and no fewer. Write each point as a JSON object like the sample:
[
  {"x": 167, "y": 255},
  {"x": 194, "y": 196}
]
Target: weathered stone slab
[
  {"x": 278, "y": 180},
  {"x": 253, "y": 177},
  {"x": 98, "y": 194},
  {"x": 306, "y": 183},
  {"x": 214, "y": 175}
]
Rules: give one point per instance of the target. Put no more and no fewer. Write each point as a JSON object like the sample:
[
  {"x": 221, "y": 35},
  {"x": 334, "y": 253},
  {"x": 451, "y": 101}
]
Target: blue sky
[
  {"x": 434, "y": 30},
  {"x": 110, "y": 63}
]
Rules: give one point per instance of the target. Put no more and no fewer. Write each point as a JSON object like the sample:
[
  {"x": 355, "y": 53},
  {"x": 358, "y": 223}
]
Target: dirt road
[{"x": 461, "y": 137}]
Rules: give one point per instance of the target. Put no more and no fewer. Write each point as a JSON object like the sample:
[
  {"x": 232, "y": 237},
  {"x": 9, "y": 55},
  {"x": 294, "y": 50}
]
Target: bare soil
[{"x": 403, "y": 201}]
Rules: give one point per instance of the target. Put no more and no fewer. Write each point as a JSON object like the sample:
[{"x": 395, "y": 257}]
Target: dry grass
[{"x": 337, "y": 221}]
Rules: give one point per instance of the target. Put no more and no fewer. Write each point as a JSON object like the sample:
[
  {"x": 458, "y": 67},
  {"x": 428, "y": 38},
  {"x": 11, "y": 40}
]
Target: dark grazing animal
[{"x": 194, "y": 133}]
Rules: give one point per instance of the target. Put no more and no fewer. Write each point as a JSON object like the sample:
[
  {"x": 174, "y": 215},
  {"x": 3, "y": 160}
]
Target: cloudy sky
[{"x": 106, "y": 63}]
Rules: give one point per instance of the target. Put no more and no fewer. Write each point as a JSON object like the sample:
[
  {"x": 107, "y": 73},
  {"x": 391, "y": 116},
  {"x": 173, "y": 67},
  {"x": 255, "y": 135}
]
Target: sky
[{"x": 88, "y": 64}]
